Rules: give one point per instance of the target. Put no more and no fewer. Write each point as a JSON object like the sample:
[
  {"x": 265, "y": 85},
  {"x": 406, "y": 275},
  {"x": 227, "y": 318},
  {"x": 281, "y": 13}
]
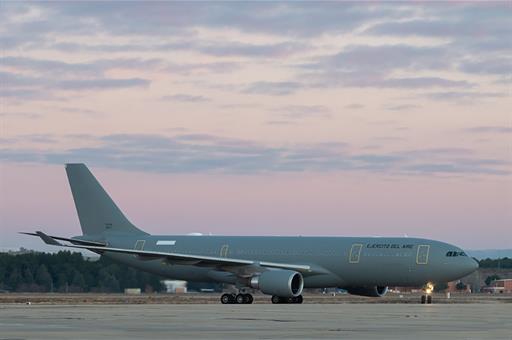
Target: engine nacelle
[
  {"x": 283, "y": 283},
  {"x": 375, "y": 291}
]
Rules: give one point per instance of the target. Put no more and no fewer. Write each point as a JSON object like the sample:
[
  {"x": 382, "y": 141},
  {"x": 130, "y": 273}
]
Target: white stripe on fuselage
[{"x": 165, "y": 242}]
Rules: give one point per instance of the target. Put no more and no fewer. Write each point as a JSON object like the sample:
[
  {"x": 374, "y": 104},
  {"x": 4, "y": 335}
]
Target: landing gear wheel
[
  {"x": 227, "y": 299},
  {"x": 240, "y": 299},
  {"x": 429, "y": 299},
  {"x": 423, "y": 299},
  {"x": 279, "y": 299},
  {"x": 276, "y": 299},
  {"x": 295, "y": 299},
  {"x": 244, "y": 299}
]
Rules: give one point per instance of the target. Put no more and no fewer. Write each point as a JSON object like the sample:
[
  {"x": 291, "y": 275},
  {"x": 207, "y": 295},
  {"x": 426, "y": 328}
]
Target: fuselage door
[
  {"x": 355, "y": 253},
  {"x": 224, "y": 250},
  {"x": 422, "y": 254},
  {"x": 139, "y": 245}
]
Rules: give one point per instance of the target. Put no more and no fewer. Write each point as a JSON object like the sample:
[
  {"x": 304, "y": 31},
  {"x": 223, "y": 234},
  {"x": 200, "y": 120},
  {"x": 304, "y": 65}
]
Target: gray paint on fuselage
[{"x": 383, "y": 261}]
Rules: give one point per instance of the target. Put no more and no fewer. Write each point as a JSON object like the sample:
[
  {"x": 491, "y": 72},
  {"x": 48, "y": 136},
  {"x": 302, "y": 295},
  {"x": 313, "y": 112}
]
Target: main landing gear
[
  {"x": 426, "y": 298},
  {"x": 236, "y": 298},
  {"x": 242, "y": 299},
  {"x": 279, "y": 299}
]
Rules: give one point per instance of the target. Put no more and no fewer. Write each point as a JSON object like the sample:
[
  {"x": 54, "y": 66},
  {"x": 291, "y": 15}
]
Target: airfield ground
[
  {"x": 199, "y": 316},
  {"x": 258, "y": 321},
  {"x": 213, "y": 298}
]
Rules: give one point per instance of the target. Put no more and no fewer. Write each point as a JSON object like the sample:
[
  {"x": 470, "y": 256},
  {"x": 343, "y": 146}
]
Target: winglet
[
  {"x": 25, "y": 233},
  {"x": 47, "y": 239}
]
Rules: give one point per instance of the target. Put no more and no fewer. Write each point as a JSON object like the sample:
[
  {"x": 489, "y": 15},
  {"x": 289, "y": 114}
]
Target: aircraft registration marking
[
  {"x": 165, "y": 242},
  {"x": 388, "y": 245}
]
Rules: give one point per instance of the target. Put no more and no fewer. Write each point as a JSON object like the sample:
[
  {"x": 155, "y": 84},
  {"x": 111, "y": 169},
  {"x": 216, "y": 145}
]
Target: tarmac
[{"x": 257, "y": 321}]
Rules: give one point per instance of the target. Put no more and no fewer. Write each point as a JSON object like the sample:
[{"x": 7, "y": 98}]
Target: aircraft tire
[
  {"x": 241, "y": 299},
  {"x": 226, "y": 299},
  {"x": 423, "y": 299},
  {"x": 299, "y": 299},
  {"x": 276, "y": 299},
  {"x": 429, "y": 299},
  {"x": 249, "y": 299}
]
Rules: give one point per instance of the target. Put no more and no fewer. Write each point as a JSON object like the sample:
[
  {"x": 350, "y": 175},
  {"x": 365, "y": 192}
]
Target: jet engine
[
  {"x": 375, "y": 291},
  {"x": 283, "y": 283}
]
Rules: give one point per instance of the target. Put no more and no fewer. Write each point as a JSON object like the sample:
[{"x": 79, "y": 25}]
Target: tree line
[
  {"x": 504, "y": 263},
  {"x": 71, "y": 273}
]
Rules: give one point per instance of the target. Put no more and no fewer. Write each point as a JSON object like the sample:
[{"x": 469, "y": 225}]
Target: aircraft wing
[{"x": 227, "y": 264}]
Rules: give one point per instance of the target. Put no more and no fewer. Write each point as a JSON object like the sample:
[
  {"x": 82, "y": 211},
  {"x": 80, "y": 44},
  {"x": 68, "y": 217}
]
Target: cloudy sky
[{"x": 272, "y": 118}]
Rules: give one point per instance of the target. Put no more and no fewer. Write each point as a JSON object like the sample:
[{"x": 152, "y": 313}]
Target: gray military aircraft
[{"x": 277, "y": 266}]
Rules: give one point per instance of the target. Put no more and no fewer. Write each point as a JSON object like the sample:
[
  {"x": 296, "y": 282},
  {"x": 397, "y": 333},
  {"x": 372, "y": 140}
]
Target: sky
[{"x": 261, "y": 118}]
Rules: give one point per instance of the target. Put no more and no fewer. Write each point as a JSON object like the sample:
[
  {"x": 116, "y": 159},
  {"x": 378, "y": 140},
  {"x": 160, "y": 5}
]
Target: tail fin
[{"x": 96, "y": 210}]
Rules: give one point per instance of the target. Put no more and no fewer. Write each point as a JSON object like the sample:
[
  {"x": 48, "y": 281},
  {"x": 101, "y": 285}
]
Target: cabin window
[{"x": 455, "y": 253}]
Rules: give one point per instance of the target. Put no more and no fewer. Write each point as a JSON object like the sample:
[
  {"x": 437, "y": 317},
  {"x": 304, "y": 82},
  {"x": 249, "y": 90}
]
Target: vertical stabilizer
[{"x": 96, "y": 210}]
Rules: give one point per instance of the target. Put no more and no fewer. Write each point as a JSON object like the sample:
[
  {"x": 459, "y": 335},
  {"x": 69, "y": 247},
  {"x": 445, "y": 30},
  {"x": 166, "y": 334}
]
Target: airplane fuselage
[{"x": 337, "y": 261}]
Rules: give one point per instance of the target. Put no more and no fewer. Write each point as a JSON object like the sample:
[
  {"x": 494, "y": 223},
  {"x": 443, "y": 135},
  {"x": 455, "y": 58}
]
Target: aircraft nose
[
  {"x": 474, "y": 265},
  {"x": 470, "y": 265}
]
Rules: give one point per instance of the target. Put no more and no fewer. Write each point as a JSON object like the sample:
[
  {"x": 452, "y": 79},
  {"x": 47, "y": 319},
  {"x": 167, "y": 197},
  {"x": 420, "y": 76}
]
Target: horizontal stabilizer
[{"x": 71, "y": 240}]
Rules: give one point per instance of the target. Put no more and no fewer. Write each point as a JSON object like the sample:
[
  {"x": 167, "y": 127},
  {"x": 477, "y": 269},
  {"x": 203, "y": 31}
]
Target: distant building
[
  {"x": 454, "y": 287},
  {"x": 499, "y": 286},
  {"x": 404, "y": 289},
  {"x": 175, "y": 286},
  {"x": 132, "y": 291}
]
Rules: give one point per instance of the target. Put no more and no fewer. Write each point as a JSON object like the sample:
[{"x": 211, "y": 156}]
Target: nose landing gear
[{"x": 426, "y": 298}]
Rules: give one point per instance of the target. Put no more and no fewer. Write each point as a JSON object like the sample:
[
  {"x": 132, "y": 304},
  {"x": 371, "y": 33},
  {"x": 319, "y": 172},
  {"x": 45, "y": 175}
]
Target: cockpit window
[{"x": 455, "y": 253}]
